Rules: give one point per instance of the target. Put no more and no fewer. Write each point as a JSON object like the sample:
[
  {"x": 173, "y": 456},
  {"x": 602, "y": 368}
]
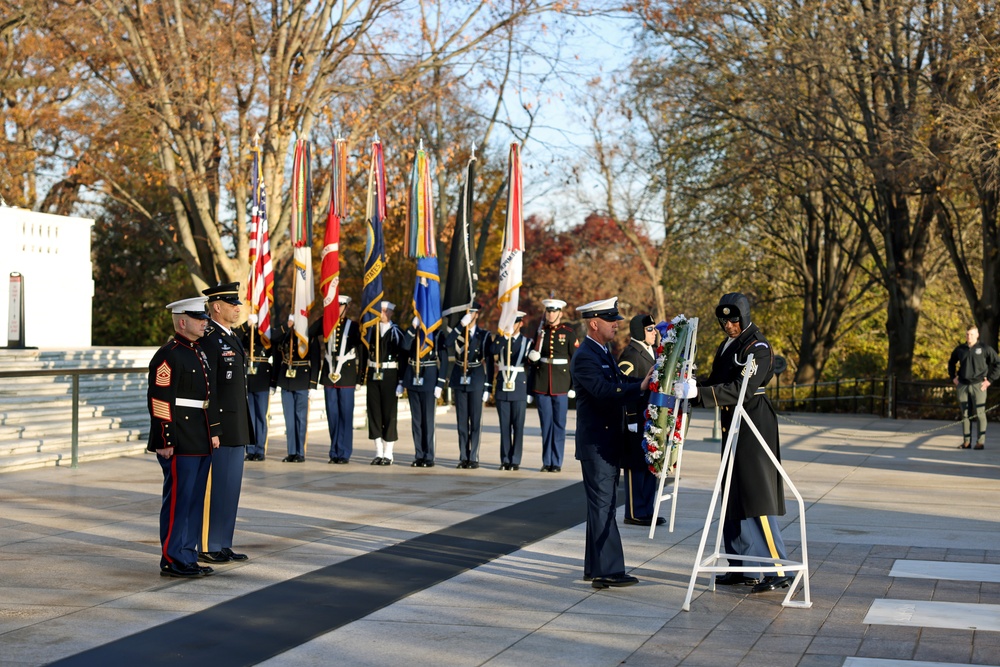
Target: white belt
[
  {"x": 512, "y": 369},
  {"x": 554, "y": 362},
  {"x": 190, "y": 403},
  {"x": 384, "y": 364}
]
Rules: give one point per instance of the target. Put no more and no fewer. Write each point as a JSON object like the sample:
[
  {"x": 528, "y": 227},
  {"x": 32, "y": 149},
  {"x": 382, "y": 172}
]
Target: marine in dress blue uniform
[
  {"x": 551, "y": 383},
  {"x": 382, "y": 361},
  {"x": 180, "y": 433},
  {"x": 469, "y": 383},
  {"x": 261, "y": 381},
  {"x": 602, "y": 393},
  {"x": 508, "y": 358},
  {"x": 339, "y": 377},
  {"x": 295, "y": 376},
  {"x": 230, "y": 407},
  {"x": 756, "y": 493},
  {"x": 424, "y": 382},
  {"x": 640, "y": 484}
]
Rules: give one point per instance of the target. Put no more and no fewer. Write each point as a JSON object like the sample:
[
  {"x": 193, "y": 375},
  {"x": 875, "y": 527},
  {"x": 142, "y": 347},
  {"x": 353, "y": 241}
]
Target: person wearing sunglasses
[
  {"x": 640, "y": 484},
  {"x": 756, "y": 495}
]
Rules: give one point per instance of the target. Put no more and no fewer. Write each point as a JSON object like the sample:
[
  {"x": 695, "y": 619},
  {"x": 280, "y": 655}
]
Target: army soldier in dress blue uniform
[
  {"x": 640, "y": 484},
  {"x": 261, "y": 379},
  {"x": 424, "y": 382},
  {"x": 756, "y": 493},
  {"x": 180, "y": 386},
  {"x": 339, "y": 376},
  {"x": 296, "y": 375},
  {"x": 508, "y": 363},
  {"x": 603, "y": 392},
  {"x": 383, "y": 359},
  {"x": 470, "y": 384},
  {"x": 229, "y": 405},
  {"x": 551, "y": 384}
]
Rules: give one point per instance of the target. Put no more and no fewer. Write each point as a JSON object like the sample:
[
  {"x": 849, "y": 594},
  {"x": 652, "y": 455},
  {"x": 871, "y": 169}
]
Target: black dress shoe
[
  {"x": 291, "y": 458},
  {"x": 334, "y": 461},
  {"x": 213, "y": 557},
  {"x": 233, "y": 556},
  {"x": 772, "y": 584},
  {"x": 205, "y": 570},
  {"x": 515, "y": 466},
  {"x": 473, "y": 464},
  {"x": 462, "y": 464},
  {"x": 614, "y": 581},
  {"x": 300, "y": 459},
  {"x": 558, "y": 469},
  {"x": 250, "y": 457},
  {"x": 180, "y": 571},
  {"x": 504, "y": 466},
  {"x": 385, "y": 462},
  {"x": 260, "y": 457},
  {"x": 417, "y": 463},
  {"x": 546, "y": 469},
  {"x": 377, "y": 461},
  {"x": 735, "y": 579},
  {"x": 427, "y": 464}
]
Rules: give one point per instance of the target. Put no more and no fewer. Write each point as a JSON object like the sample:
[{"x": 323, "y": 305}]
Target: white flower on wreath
[
  {"x": 653, "y": 411},
  {"x": 655, "y": 430}
]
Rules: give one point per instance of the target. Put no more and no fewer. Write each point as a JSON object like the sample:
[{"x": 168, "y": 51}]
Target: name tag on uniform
[
  {"x": 465, "y": 379},
  {"x": 418, "y": 382},
  {"x": 508, "y": 386}
]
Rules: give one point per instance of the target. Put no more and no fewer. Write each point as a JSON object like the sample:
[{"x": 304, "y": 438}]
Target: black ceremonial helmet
[
  {"x": 731, "y": 305},
  {"x": 637, "y": 326}
]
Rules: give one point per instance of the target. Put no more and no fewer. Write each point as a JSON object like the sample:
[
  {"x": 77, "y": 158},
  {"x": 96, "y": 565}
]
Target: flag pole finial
[
  {"x": 473, "y": 150},
  {"x": 376, "y": 139},
  {"x": 421, "y": 145}
]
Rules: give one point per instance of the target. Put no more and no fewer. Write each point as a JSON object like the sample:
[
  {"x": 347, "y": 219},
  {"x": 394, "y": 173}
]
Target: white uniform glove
[
  {"x": 252, "y": 318},
  {"x": 437, "y": 392},
  {"x": 686, "y": 389},
  {"x": 534, "y": 356},
  {"x": 486, "y": 396},
  {"x": 416, "y": 322},
  {"x": 571, "y": 394},
  {"x": 531, "y": 399},
  {"x": 399, "y": 390},
  {"x": 633, "y": 428},
  {"x": 466, "y": 319}
]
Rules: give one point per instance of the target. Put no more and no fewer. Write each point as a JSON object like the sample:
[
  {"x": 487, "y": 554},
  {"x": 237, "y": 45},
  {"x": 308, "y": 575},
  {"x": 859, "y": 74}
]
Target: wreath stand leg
[{"x": 708, "y": 564}]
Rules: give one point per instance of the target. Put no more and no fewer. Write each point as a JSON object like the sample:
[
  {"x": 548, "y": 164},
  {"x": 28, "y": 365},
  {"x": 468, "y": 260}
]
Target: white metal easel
[
  {"x": 708, "y": 563},
  {"x": 690, "y": 346}
]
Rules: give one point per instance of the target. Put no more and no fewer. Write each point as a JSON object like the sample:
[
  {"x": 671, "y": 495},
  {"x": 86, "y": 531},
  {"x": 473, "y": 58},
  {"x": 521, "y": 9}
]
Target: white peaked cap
[{"x": 184, "y": 306}]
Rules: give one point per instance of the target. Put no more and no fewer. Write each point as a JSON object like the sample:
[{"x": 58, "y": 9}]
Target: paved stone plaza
[{"x": 360, "y": 565}]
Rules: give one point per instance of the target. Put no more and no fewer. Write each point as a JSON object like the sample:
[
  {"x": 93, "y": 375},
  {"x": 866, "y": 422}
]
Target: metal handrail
[{"x": 75, "y": 374}]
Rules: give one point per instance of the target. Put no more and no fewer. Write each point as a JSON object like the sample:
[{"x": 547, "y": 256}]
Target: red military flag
[{"x": 329, "y": 285}]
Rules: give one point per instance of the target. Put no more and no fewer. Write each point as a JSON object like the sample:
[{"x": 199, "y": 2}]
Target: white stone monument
[{"x": 52, "y": 253}]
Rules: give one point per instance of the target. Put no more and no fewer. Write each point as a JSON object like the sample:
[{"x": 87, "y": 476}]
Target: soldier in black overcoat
[
  {"x": 180, "y": 433},
  {"x": 640, "y": 484},
  {"x": 756, "y": 494}
]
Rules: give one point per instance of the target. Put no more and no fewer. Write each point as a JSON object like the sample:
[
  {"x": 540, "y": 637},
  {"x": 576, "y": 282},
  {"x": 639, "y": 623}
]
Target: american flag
[{"x": 260, "y": 286}]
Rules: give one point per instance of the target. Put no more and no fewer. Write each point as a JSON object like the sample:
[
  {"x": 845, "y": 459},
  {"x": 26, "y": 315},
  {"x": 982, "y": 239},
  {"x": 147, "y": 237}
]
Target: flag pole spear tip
[
  {"x": 473, "y": 150},
  {"x": 376, "y": 139},
  {"x": 421, "y": 145}
]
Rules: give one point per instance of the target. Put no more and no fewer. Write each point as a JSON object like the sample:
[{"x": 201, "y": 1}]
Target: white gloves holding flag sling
[
  {"x": 686, "y": 389},
  {"x": 534, "y": 356}
]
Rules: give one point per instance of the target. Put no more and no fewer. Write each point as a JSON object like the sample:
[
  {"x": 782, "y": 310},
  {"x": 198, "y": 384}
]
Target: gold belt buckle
[
  {"x": 334, "y": 377},
  {"x": 290, "y": 372}
]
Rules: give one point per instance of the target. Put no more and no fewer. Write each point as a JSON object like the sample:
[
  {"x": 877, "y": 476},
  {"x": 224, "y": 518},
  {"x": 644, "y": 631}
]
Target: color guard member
[{"x": 551, "y": 384}]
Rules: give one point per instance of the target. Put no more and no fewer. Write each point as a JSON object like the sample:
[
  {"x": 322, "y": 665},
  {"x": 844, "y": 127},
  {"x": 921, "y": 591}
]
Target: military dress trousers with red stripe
[{"x": 179, "y": 388}]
